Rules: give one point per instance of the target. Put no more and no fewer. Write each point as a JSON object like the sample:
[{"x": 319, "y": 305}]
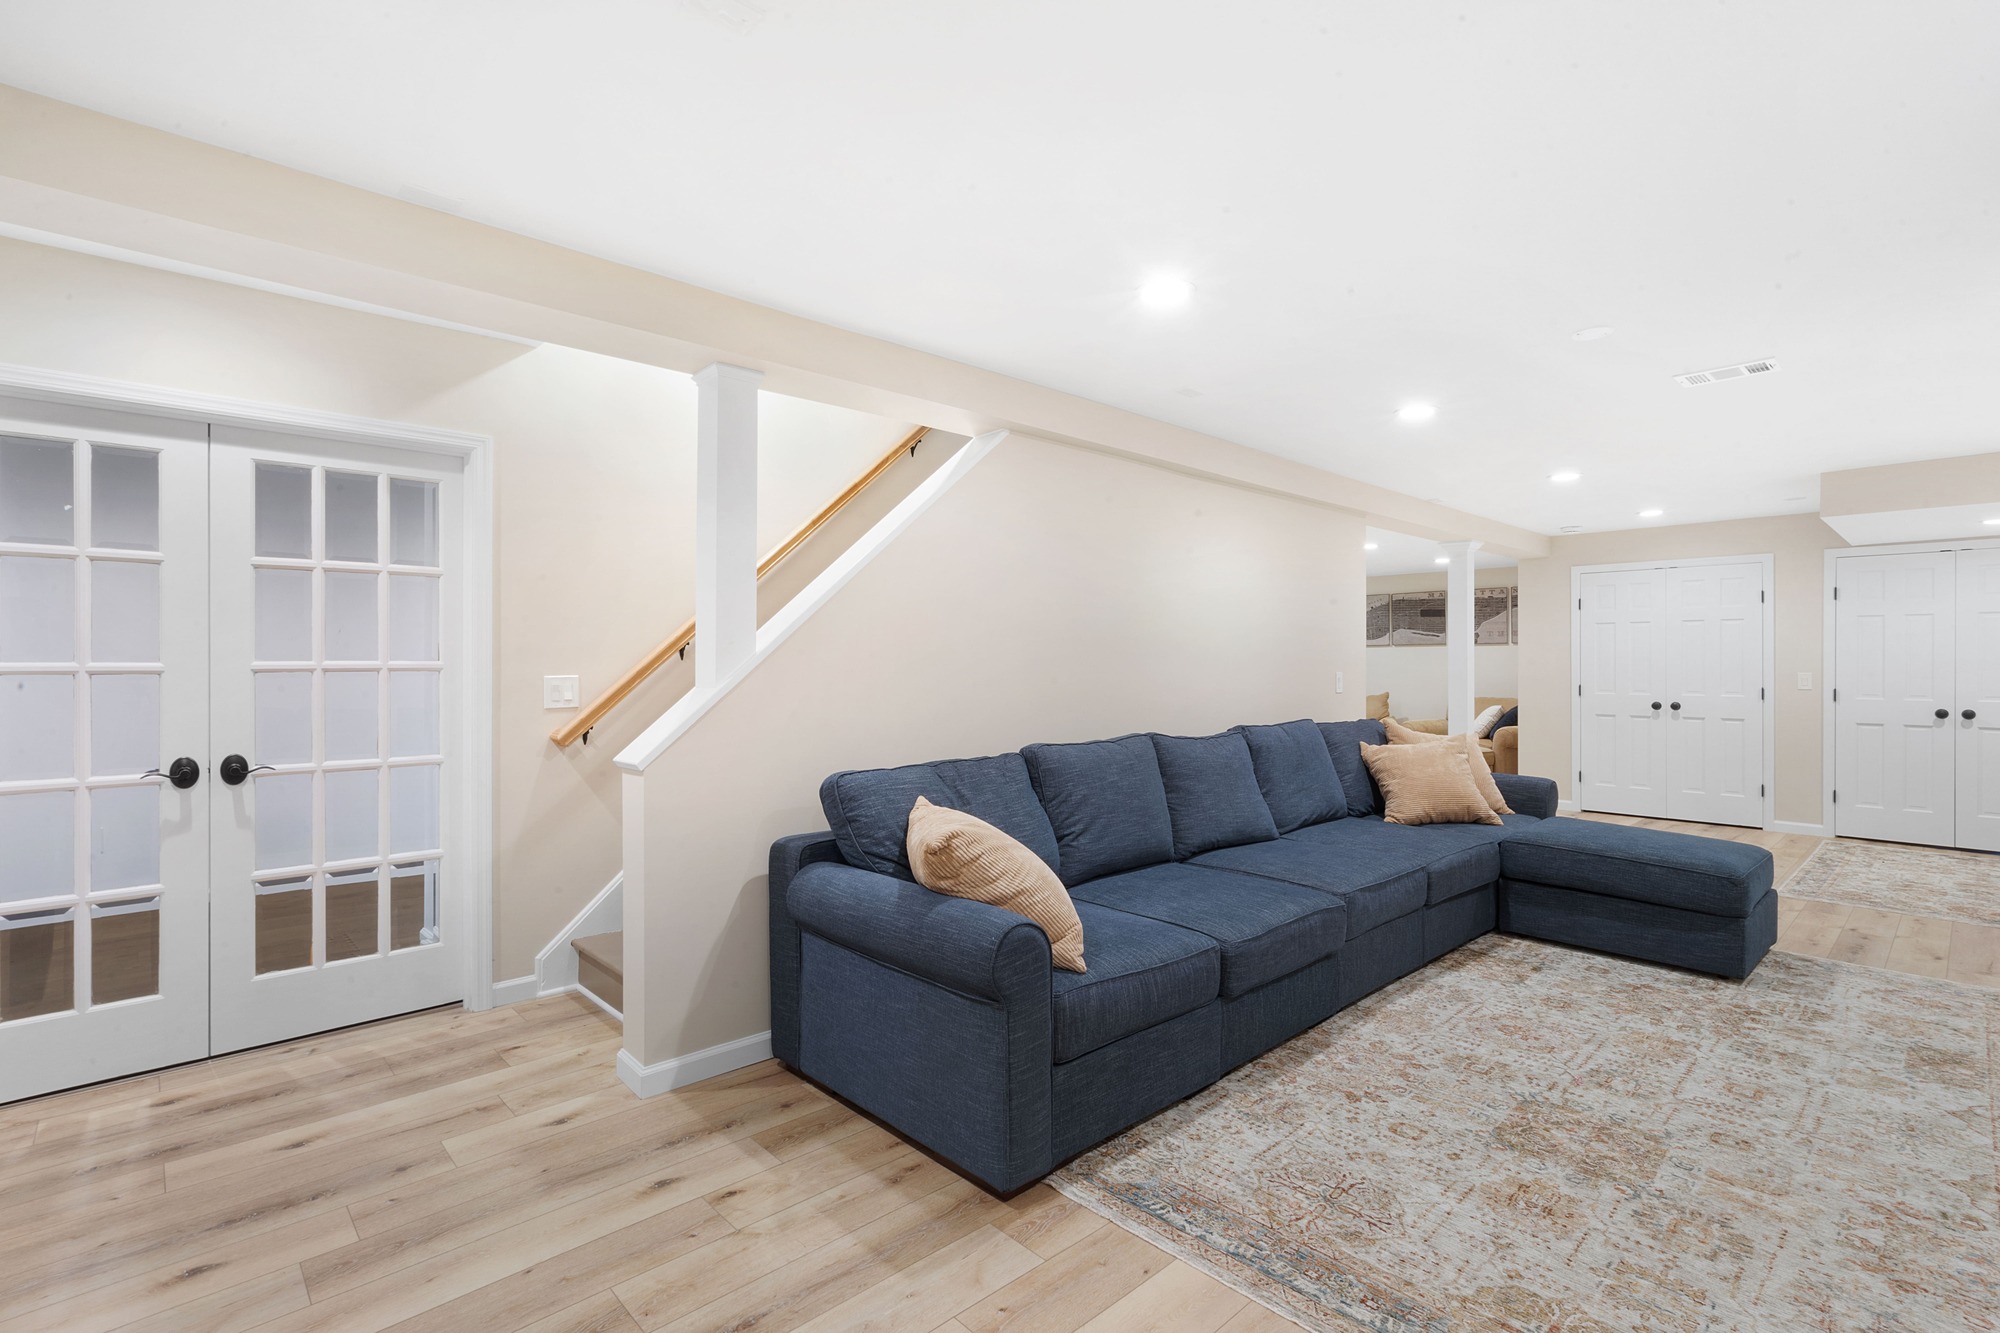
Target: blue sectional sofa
[{"x": 1235, "y": 890}]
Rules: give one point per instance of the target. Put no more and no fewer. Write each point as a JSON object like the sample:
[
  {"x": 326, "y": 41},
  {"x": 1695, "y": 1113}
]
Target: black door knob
[
  {"x": 1675, "y": 707},
  {"x": 183, "y": 773},
  {"x": 1968, "y": 715},
  {"x": 1944, "y": 712},
  {"x": 1656, "y": 705},
  {"x": 234, "y": 768}
]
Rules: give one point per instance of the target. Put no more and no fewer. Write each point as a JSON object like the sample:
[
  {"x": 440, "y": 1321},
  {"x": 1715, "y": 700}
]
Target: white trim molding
[
  {"x": 652, "y": 1080},
  {"x": 555, "y": 965},
  {"x": 1793, "y": 826},
  {"x": 474, "y": 815},
  {"x": 517, "y": 991}
]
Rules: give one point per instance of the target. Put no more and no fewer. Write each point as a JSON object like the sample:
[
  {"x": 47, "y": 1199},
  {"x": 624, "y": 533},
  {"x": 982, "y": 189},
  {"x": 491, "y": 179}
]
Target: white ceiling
[
  {"x": 1376, "y": 203},
  {"x": 1400, "y": 553}
]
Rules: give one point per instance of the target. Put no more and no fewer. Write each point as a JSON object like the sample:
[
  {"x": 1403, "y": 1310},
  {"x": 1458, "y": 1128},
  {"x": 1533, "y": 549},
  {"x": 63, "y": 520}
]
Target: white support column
[
  {"x": 725, "y": 521},
  {"x": 1458, "y": 631}
]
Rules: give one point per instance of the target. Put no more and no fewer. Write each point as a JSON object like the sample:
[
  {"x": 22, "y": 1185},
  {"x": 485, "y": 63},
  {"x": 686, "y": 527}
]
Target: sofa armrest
[
  {"x": 970, "y": 947},
  {"x": 1430, "y": 726},
  {"x": 1507, "y": 750},
  {"x": 1528, "y": 796}
]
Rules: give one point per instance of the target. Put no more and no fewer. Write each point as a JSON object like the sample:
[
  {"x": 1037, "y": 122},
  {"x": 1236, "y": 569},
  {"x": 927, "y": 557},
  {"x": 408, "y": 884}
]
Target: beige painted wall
[
  {"x": 1054, "y": 594},
  {"x": 1798, "y": 543},
  {"x": 1933, "y": 483},
  {"x": 594, "y": 475}
]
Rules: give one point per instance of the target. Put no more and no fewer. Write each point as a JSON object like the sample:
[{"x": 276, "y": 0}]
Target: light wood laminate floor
[{"x": 487, "y": 1172}]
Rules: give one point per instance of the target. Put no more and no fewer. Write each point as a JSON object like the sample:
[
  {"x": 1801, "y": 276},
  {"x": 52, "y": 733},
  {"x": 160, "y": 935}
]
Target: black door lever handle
[
  {"x": 183, "y": 773},
  {"x": 234, "y": 768},
  {"x": 1944, "y": 712}
]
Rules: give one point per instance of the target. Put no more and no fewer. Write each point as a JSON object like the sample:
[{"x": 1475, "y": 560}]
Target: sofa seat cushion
[
  {"x": 1458, "y": 858},
  {"x": 869, "y": 810},
  {"x": 1376, "y": 887},
  {"x": 1696, "y": 874},
  {"x": 1142, "y": 972},
  {"x": 1212, "y": 794},
  {"x": 1265, "y": 929},
  {"x": 1107, "y": 804},
  {"x": 1296, "y": 774}
]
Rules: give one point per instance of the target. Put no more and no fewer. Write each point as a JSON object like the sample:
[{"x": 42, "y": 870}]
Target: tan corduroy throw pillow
[
  {"x": 1426, "y": 784},
  {"x": 954, "y": 853},
  {"x": 1475, "y": 758}
]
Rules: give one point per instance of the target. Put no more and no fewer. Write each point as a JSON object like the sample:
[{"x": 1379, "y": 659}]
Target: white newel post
[
  {"x": 725, "y": 521},
  {"x": 1458, "y": 631}
]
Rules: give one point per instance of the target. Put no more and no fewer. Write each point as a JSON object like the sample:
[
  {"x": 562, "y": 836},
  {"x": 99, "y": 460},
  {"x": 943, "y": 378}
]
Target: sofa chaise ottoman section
[{"x": 1693, "y": 902}]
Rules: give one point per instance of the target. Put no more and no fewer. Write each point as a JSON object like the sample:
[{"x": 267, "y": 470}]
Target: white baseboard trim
[
  {"x": 1791, "y": 826},
  {"x": 652, "y": 1080},
  {"x": 1568, "y": 808},
  {"x": 584, "y": 992},
  {"x": 515, "y": 991}
]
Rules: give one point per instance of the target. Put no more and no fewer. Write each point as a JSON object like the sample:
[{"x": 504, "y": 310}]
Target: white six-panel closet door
[
  {"x": 1622, "y": 715},
  {"x": 1895, "y": 667},
  {"x": 1977, "y": 736},
  {"x": 1714, "y": 686}
]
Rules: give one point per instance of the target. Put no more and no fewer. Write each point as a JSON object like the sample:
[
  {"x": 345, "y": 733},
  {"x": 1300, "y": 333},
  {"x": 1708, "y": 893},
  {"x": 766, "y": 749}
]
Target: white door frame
[
  {"x": 1829, "y": 730},
  {"x": 1768, "y": 779},
  {"x": 475, "y": 804}
]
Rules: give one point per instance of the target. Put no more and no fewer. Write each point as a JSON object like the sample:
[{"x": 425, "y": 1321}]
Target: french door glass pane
[
  {"x": 124, "y": 498},
  {"x": 353, "y": 815},
  {"x": 413, "y": 523},
  {"x": 284, "y": 615},
  {"x": 413, "y": 905},
  {"x": 351, "y": 913},
  {"x": 38, "y": 829},
  {"x": 124, "y": 951},
  {"x": 413, "y": 618},
  {"x": 37, "y": 964},
  {"x": 124, "y": 611},
  {"x": 124, "y": 837},
  {"x": 413, "y": 714},
  {"x": 37, "y": 609},
  {"x": 124, "y": 725},
  {"x": 284, "y": 725},
  {"x": 351, "y": 706},
  {"x": 350, "y": 516},
  {"x": 37, "y": 484},
  {"x": 284, "y": 511},
  {"x": 352, "y": 628},
  {"x": 284, "y": 820},
  {"x": 36, "y": 727},
  {"x": 284, "y": 925},
  {"x": 413, "y": 809}
]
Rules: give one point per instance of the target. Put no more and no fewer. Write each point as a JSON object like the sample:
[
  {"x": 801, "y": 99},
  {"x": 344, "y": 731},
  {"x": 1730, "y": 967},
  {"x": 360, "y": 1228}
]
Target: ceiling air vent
[{"x": 1693, "y": 378}]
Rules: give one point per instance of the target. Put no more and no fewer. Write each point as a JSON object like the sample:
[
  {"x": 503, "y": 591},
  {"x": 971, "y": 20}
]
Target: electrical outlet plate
[{"x": 559, "y": 692}]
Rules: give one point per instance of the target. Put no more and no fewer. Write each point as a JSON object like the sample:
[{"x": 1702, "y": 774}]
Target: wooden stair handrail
[{"x": 677, "y": 642}]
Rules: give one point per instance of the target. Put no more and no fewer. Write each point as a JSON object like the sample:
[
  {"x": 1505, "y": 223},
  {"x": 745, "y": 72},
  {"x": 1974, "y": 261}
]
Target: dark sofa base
[
  {"x": 1457, "y": 921},
  {"x": 1387, "y": 953},
  {"x": 1721, "y": 945},
  {"x": 1115, "y": 1087},
  {"x": 1276, "y": 1012}
]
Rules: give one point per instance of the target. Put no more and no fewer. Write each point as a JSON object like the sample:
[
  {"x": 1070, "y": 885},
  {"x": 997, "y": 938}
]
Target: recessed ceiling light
[
  {"x": 1592, "y": 334},
  {"x": 1165, "y": 291},
  {"x": 1442, "y": 560},
  {"x": 1565, "y": 477},
  {"x": 1651, "y": 513},
  {"x": 1371, "y": 546},
  {"x": 1571, "y": 528},
  {"x": 1415, "y": 412}
]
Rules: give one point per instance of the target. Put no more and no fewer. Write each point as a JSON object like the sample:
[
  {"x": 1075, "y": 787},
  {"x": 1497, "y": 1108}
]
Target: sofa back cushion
[
  {"x": 1343, "y": 744},
  {"x": 869, "y": 810},
  {"x": 1296, "y": 774},
  {"x": 1212, "y": 795},
  {"x": 1107, "y": 804}
]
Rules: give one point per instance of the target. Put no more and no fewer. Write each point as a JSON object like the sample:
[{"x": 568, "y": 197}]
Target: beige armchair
[{"x": 1502, "y": 748}]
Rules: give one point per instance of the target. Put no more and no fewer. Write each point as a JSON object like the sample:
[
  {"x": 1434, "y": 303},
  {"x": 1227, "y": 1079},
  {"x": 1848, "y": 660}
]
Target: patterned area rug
[
  {"x": 1535, "y": 1139},
  {"x": 1921, "y": 881}
]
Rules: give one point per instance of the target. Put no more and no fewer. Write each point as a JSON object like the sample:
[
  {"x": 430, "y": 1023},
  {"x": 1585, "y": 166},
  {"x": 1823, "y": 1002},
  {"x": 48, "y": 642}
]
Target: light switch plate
[
  {"x": 559, "y": 692},
  {"x": 1805, "y": 680}
]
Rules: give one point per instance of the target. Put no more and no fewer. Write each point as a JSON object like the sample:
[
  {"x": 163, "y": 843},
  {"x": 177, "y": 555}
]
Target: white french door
[
  {"x": 103, "y": 692},
  {"x": 179, "y": 604},
  {"x": 1671, "y": 693},
  {"x": 1978, "y": 718},
  {"x": 333, "y": 601},
  {"x": 1895, "y": 649}
]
